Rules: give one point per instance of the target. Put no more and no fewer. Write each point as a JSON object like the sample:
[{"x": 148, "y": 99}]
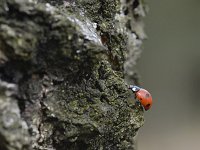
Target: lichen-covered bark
[{"x": 64, "y": 69}]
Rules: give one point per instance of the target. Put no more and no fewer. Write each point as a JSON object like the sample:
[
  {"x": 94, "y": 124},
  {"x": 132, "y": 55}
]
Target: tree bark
[{"x": 64, "y": 70}]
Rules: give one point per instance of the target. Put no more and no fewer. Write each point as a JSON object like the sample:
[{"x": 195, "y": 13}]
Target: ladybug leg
[{"x": 138, "y": 104}]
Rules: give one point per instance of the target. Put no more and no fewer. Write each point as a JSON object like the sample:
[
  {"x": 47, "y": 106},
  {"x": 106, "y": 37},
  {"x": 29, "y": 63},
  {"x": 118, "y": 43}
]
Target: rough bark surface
[{"x": 64, "y": 66}]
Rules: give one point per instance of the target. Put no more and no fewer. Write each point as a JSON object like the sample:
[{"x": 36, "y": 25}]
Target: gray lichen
[
  {"x": 13, "y": 129},
  {"x": 69, "y": 61}
]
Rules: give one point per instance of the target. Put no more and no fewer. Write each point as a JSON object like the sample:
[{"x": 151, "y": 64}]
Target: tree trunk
[{"x": 64, "y": 70}]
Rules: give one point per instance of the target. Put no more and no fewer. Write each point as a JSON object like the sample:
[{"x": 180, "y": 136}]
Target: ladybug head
[{"x": 134, "y": 88}]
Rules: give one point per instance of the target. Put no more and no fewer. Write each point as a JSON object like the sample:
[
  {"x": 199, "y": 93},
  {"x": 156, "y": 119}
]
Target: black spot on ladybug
[
  {"x": 147, "y": 95},
  {"x": 147, "y": 105},
  {"x": 141, "y": 99}
]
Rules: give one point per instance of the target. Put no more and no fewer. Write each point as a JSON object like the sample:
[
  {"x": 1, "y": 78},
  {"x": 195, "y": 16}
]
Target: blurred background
[{"x": 170, "y": 70}]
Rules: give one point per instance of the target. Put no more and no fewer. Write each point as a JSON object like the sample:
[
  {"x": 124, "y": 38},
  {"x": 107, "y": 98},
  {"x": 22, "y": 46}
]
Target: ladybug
[{"x": 143, "y": 96}]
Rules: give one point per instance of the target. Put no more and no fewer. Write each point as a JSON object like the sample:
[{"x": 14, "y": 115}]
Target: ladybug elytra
[{"x": 143, "y": 96}]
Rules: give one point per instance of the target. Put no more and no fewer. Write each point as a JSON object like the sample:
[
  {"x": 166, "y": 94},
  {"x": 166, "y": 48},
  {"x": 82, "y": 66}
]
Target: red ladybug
[{"x": 143, "y": 96}]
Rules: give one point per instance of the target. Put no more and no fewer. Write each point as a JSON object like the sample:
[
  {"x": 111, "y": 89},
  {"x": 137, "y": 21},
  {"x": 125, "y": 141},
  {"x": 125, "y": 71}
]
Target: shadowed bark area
[{"x": 64, "y": 66}]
